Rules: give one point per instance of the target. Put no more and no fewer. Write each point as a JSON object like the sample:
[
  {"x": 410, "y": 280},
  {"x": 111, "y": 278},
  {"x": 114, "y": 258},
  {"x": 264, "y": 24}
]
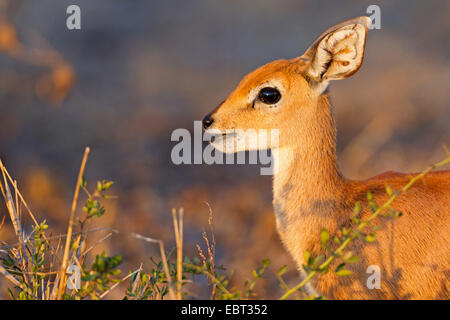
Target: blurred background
[{"x": 139, "y": 69}]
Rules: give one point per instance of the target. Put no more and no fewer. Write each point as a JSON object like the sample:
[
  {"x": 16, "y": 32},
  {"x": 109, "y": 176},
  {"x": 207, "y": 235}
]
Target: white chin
[
  {"x": 234, "y": 142},
  {"x": 226, "y": 144}
]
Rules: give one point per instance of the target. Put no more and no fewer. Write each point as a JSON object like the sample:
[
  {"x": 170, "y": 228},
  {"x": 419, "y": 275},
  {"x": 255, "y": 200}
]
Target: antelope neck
[{"x": 307, "y": 185}]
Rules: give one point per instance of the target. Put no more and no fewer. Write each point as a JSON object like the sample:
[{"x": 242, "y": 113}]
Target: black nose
[{"x": 207, "y": 122}]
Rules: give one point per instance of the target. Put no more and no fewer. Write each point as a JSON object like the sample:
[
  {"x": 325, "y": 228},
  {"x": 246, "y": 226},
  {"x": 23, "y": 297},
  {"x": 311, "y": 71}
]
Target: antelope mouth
[
  {"x": 219, "y": 137},
  {"x": 220, "y": 134},
  {"x": 229, "y": 134}
]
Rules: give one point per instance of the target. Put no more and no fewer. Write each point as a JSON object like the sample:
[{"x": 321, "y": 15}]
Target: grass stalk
[
  {"x": 178, "y": 228},
  {"x": 62, "y": 277},
  {"x": 172, "y": 294}
]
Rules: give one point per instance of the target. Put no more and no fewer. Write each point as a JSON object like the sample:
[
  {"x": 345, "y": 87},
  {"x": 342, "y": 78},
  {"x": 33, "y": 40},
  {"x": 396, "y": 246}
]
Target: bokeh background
[{"x": 139, "y": 69}]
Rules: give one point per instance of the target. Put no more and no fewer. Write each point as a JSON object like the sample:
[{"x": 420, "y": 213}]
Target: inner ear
[{"x": 339, "y": 52}]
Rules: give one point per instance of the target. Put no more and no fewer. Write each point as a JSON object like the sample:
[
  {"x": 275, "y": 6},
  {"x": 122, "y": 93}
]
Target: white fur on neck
[{"x": 283, "y": 160}]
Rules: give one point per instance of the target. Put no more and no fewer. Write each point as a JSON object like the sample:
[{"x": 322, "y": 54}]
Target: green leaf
[
  {"x": 346, "y": 231},
  {"x": 340, "y": 267},
  {"x": 389, "y": 190},
  {"x": 347, "y": 255},
  {"x": 318, "y": 260},
  {"x": 357, "y": 208},
  {"x": 11, "y": 294},
  {"x": 343, "y": 273},
  {"x": 104, "y": 185},
  {"x": 370, "y": 237},
  {"x": 324, "y": 236},
  {"x": 349, "y": 258},
  {"x": 307, "y": 257},
  {"x": 282, "y": 270},
  {"x": 353, "y": 259}
]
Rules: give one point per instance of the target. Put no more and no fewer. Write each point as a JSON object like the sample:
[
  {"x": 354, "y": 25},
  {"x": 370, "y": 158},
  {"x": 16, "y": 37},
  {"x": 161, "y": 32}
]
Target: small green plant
[
  {"x": 34, "y": 264},
  {"x": 100, "y": 276}
]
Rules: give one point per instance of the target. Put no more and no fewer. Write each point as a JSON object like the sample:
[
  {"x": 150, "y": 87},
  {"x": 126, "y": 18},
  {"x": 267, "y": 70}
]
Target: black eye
[{"x": 269, "y": 95}]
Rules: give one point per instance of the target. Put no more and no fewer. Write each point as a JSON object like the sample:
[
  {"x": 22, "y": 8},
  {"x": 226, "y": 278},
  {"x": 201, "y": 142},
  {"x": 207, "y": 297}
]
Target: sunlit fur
[{"x": 309, "y": 192}]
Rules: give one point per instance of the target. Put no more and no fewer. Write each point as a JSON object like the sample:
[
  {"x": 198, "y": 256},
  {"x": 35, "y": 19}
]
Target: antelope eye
[{"x": 269, "y": 95}]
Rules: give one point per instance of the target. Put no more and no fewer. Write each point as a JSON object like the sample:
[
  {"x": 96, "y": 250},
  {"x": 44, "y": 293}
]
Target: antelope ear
[{"x": 338, "y": 52}]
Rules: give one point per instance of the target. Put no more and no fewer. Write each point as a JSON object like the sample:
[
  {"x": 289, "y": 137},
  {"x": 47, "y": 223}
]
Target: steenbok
[{"x": 309, "y": 192}]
